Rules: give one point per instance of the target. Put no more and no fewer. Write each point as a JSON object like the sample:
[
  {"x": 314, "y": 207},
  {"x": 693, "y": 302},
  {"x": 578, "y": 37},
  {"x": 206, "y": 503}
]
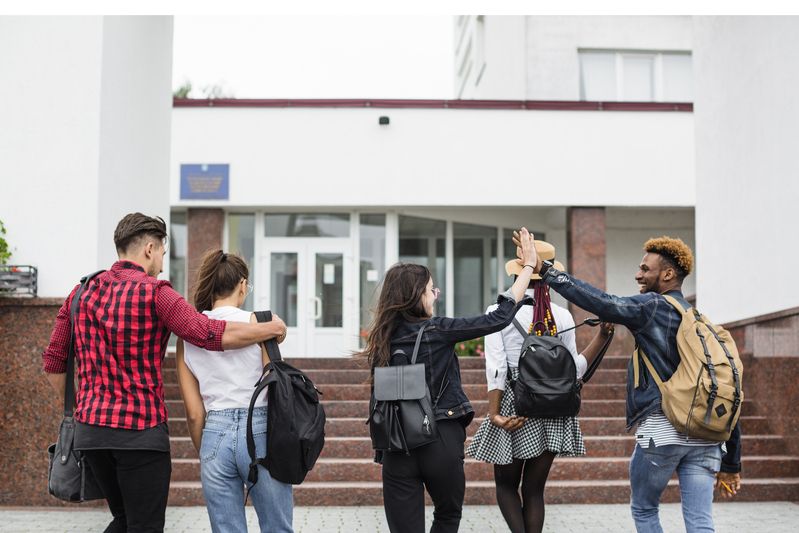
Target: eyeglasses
[
  {"x": 165, "y": 242},
  {"x": 249, "y": 288},
  {"x": 436, "y": 293}
]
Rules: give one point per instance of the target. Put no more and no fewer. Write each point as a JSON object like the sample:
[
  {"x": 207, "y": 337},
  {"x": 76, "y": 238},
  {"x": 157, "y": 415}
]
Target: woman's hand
[
  {"x": 508, "y": 423},
  {"x": 525, "y": 248}
]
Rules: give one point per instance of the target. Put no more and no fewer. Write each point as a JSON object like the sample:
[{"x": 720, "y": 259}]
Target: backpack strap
[
  {"x": 271, "y": 345},
  {"x": 418, "y": 342},
  {"x": 264, "y": 381},
  {"x": 69, "y": 384},
  {"x": 520, "y": 328}
]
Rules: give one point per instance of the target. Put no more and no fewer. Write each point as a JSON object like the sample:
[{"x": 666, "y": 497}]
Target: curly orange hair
[{"x": 673, "y": 249}]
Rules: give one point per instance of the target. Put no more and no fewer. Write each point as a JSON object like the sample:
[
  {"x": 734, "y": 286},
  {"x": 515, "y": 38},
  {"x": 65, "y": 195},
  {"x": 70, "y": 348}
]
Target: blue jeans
[
  {"x": 650, "y": 471},
  {"x": 224, "y": 465}
]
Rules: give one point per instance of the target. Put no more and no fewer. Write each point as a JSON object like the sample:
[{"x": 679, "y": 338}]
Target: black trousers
[
  {"x": 136, "y": 486},
  {"x": 437, "y": 467}
]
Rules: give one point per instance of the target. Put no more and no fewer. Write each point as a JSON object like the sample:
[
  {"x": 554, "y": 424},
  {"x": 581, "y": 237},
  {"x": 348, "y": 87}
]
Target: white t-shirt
[
  {"x": 227, "y": 379},
  {"x": 502, "y": 349}
]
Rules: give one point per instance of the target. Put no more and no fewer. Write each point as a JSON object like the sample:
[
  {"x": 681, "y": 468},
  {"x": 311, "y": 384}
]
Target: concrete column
[
  {"x": 204, "y": 227},
  {"x": 586, "y": 248}
]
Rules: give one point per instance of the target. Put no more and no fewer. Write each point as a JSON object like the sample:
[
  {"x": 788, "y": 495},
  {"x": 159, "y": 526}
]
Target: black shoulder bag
[{"x": 69, "y": 478}]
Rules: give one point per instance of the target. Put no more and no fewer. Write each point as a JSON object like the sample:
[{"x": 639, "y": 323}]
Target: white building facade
[{"x": 322, "y": 197}]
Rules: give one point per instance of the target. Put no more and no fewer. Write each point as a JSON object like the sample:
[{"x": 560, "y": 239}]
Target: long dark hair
[
  {"x": 218, "y": 276},
  {"x": 400, "y": 299}
]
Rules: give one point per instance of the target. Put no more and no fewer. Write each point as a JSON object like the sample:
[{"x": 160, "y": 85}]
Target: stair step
[
  {"x": 483, "y": 492},
  {"x": 356, "y": 427}
]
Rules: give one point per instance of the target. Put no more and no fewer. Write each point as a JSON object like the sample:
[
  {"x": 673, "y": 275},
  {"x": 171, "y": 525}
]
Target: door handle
[{"x": 317, "y": 308}]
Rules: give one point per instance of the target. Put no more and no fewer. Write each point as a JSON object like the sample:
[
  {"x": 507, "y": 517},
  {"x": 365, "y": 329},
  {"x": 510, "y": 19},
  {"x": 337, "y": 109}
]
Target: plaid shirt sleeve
[
  {"x": 184, "y": 321},
  {"x": 54, "y": 357}
]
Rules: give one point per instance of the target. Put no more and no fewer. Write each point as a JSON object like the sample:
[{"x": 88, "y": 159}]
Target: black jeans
[
  {"x": 437, "y": 466},
  {"x": 136, "y": 486}
]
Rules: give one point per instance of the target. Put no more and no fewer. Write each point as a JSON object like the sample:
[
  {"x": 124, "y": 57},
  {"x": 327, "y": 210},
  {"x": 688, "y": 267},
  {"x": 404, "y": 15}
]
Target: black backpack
[
  {"x": 547, "y": 386},
  {"x": 295, "y": 414}
]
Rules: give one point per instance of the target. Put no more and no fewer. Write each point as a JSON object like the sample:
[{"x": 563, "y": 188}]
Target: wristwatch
[{"x": 545, "y": 265}]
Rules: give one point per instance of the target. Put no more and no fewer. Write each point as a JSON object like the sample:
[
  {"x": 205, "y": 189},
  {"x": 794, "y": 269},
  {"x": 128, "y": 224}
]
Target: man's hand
[
  {"x": 281, "y": 328},
  {"x": 728, "y": 484},
  {"x": 508, "y": 423}
]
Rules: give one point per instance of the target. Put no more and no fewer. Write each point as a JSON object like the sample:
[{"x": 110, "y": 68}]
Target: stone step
[
  {"x": 357, "y": 427},
  {"x": 360, "y": 377},
  {"x": 483, "y": 492},
  {"x": 610, "y": 362},
  {"x": 353, "y": 373},
  {"x": 474, "y": 392},
  {"x": 359, "y": 408},
  {"x": 563, "y": 468},
  {"x": 597, "y": 446}
]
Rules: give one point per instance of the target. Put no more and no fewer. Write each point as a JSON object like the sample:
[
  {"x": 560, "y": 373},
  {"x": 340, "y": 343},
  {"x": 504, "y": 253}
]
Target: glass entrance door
[{"x": 309, "y": 287}]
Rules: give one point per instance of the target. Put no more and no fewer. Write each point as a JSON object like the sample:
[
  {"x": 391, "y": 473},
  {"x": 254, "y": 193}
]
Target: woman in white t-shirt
[
  {"x": 522, "y": 449},
  {"x": 216, "y": 389}
]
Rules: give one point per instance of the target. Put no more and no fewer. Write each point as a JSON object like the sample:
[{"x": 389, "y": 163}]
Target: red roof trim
[{"x": 546, "y": 105}]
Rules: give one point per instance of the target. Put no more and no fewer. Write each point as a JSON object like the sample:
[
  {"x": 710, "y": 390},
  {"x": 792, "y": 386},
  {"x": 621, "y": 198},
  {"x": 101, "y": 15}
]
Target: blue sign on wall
[{"x": 204, "y": 182}]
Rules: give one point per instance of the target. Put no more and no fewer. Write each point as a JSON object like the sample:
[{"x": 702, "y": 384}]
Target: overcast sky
[{"x": 316, "y": 56}]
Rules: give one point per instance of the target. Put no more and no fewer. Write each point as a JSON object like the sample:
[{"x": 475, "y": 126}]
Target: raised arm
[{"x": 461, "y": 329}]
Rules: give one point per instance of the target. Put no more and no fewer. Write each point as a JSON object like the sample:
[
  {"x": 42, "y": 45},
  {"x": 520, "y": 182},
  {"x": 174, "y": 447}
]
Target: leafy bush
[
  {"x": 472, "y": 348},
  {"x": 5, "y": 253}
]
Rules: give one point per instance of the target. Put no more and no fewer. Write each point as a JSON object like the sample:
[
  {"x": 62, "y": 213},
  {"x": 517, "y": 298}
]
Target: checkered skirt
[{"x": 561, "y": 436}]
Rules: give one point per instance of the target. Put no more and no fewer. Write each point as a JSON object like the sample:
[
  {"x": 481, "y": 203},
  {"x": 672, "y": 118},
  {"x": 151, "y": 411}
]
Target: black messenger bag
[{"x": 69, "y": 478}]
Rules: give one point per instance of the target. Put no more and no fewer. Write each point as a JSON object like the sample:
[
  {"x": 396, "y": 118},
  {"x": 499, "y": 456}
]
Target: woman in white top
[
  {"x": 216, "y": 389},
  {"x": 522, "y": 449}
]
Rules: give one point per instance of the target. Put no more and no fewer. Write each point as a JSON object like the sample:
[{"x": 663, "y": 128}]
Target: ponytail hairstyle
[
  {"x": 400, "y": 299},
  {"x": 543, "y": 322},
  {"x": 218, "y": 277}
]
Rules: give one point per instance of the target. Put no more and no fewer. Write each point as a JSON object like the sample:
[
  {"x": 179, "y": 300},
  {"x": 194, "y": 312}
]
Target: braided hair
[{"x": 543, "y": 321}]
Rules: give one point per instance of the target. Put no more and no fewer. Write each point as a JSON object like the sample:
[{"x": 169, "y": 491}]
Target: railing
[{"x": 18, "y": 280}]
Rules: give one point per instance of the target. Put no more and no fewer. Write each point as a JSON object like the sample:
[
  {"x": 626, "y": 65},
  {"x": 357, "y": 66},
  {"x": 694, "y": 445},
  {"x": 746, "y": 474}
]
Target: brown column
[
  {"x": 204, "y": 227},
  {"x": 585, "y": 236}
]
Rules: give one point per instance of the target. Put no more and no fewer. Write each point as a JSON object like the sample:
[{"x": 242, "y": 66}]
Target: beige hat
[{"x": 545, "y": 252}]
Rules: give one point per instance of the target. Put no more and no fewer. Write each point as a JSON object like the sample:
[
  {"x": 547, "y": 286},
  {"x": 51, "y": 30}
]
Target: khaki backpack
[{"x": 703, "y": 397}]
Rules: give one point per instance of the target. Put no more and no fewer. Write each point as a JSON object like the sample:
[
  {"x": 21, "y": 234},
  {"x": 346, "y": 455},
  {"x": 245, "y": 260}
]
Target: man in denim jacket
[{"x": 660, "y": 449}]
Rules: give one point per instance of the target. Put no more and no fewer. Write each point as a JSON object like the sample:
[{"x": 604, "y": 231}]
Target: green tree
[
  {"x": 5, "y": 253},
  {"x": 184, "y": 91}
]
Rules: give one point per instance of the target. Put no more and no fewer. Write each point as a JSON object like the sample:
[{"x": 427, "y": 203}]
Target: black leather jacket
[{"x": 437, "y": 352}]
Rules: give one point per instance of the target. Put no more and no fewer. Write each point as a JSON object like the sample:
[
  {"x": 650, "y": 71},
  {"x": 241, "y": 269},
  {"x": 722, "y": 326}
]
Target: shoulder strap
[
  {"x": 69, "y": 386},
  {"x": 520, "y": 328},
  {"x": 676, "y": 304},
  {"x": 598, "y": 358},
  {"x": 418, "y": 342},
  {"x": 271, "y": 345}
]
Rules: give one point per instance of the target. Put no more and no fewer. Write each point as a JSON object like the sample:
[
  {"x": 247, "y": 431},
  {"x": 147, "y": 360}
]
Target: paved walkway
[{"x": 770, "y": 517}]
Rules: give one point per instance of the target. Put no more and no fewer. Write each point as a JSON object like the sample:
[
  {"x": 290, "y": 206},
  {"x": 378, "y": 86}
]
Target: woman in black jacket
[{"x": 405, "y": 304}]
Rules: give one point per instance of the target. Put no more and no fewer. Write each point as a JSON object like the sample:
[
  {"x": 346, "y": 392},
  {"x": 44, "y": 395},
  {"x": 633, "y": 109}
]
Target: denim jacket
[
  {"x": 654, "y": 324},
  {"x": 437, "y": 352}
]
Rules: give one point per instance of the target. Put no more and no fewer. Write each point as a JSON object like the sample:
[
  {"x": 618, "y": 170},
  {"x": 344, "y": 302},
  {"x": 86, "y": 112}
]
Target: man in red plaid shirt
[{"x": 122, "y": 326}]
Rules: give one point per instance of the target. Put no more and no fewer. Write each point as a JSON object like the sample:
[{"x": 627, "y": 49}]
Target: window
[
  {"x": 475, "y": 270},
  {"x": 373, "y": 264},
  {"x": 635, "y": 76},
  {"x": 423, "y": 241},
  {"x": 178, "y": 244},
  {"x": 307, "y": 225},
  {"x": 241, "y": 241}
]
